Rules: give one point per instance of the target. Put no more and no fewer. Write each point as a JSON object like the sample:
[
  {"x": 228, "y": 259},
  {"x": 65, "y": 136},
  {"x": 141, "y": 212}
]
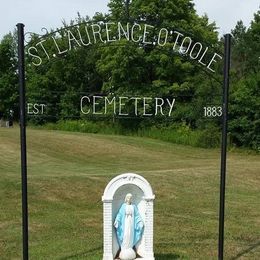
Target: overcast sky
[{"x": 49, "y": 13}]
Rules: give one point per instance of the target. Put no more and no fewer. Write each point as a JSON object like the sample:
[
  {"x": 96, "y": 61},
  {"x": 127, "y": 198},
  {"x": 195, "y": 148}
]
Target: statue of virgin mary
[{"x": 129, "y": 228}]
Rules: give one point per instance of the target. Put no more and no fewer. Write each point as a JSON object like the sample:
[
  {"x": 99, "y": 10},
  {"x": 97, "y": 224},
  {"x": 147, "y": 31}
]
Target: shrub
[{"x": 176, "y": 133}]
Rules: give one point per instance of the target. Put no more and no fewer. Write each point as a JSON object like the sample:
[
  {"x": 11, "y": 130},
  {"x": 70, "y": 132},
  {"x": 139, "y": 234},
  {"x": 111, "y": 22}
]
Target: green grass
[{"x": 67, "y": 174}]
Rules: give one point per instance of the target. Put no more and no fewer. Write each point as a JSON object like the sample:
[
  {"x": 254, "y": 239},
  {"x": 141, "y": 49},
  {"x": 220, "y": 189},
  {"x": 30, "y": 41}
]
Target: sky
[{"x": 48, "y": 13}]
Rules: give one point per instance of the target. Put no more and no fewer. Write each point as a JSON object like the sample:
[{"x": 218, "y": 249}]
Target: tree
[
  {"x": 150, "y": 69},
  {"x": 245, "y": 99},
  {"x": 245, "y": 112},
  {"x": 61, "y": 81},
  {"x": 239, "y": 49},
  {"x": 8, "y": 77},
  {"x": 253, "y": 40},
  {"x": 246, "y": 49}
]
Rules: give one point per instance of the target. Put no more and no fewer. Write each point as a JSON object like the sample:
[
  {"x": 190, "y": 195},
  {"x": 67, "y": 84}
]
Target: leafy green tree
[
  {"x": 245, "y": 112},
  {"x": 8, "y": 76},
  {"x": 246, "y": 50},
  {"x": 150, "y": 69},
  {"x": 253, "y": 40},
  {"x": 239, "y": 49},
  {"x": 60, "y": 82},
  {"x": 245, "y": 99}
]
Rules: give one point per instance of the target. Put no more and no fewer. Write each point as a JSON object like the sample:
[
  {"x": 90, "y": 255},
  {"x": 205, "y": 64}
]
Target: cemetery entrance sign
[
  {"x": 105, "y": 33},
  {"x": 139, "y": 106},
  {"x": 108, "y": 32}
]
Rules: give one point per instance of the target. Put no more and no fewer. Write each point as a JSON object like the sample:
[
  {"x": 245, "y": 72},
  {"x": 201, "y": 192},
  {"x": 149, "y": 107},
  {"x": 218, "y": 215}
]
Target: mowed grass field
[{"x": 68, "y": 172}]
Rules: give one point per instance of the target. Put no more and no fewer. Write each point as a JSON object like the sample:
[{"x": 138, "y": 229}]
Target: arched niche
[{"x": 113, "y": 197}]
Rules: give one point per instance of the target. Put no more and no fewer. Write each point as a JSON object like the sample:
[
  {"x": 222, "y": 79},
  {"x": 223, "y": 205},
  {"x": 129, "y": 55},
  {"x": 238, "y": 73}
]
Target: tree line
[{"x": 134, "y": 69}]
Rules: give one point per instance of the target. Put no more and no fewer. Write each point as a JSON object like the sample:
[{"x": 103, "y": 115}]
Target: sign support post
[
  {"x": 224, "y": 147},
  {"x": 21, "y": 69}
]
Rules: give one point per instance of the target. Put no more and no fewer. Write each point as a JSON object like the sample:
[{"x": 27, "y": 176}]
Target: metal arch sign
[
  {"x": 87, "y": 34},
  {"x": 142, "y": 34}
]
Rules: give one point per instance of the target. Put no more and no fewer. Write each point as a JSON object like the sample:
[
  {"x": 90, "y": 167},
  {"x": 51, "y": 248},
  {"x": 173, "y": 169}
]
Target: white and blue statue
[{"x": 129, "y": 228}]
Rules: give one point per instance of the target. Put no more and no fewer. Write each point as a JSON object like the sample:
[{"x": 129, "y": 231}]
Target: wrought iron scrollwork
[{"x": 29, "y": 35}]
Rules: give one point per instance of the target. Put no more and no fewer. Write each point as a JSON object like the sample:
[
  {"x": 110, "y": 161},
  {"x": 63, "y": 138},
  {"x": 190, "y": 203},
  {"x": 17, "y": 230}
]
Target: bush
[
  {"x": 183, "y": 134},
  {"x": 178, "y": 133}
]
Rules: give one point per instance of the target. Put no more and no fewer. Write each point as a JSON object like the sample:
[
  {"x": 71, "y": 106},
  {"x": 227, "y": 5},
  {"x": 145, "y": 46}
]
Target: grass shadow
[
  {"x": 167, "y": 256},
  {"x": 86, "y": 253},
  {"x": 81, "y": 254},
  {"x": 249, "y": 249}
]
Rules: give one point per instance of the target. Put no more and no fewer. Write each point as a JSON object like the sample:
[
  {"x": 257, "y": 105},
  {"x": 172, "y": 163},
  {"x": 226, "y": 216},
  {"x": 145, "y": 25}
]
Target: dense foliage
[
  {"x": 245, "y": 92},
  {"x": 144, "y": 70},
  {"x": 8, "y": 77}
]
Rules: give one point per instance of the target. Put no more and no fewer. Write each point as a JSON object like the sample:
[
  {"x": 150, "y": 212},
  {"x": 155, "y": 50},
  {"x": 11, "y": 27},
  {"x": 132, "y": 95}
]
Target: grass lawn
[{"x": 67, "y": 174}]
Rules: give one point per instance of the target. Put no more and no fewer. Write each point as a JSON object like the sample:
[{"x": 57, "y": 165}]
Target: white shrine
[{"x": 143, "y": 198}]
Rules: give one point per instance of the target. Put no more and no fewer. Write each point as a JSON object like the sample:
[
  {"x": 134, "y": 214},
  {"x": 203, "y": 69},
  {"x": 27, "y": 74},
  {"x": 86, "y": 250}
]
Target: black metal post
[
  {"x": 224, "y": 147},
  {"x": 21, "y": 69}
]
